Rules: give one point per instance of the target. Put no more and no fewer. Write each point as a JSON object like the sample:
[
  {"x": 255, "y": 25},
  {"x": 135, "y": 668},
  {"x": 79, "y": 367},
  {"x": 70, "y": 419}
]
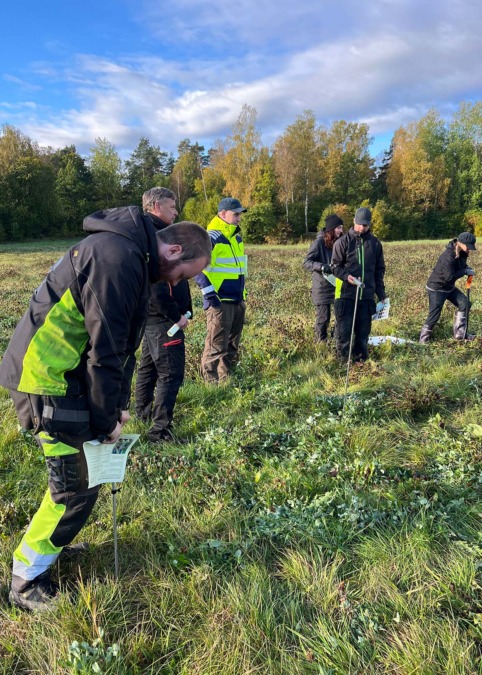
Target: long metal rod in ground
[
  {"x": 468, "y": 285},
  {"x": 114, "y": 521},
  {"x": 351, "y": 347}
]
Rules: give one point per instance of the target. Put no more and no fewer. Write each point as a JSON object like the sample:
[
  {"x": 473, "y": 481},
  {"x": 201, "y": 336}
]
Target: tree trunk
[{"x": 202, "y": 178}]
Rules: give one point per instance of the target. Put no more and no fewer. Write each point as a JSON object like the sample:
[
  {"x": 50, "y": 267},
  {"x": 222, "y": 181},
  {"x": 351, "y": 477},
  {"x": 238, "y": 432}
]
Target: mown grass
[{"x": 285, "y": 537}]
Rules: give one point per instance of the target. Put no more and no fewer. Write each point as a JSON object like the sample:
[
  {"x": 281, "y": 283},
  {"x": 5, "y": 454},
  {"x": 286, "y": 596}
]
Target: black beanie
[{"x": 332, "y": 221}]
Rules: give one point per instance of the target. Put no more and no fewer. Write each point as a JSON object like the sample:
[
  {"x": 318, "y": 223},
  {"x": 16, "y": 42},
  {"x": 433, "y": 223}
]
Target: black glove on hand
[{"x": 326, "y": 269}]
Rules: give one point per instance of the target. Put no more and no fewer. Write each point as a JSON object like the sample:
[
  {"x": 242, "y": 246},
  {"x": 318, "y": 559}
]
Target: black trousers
[
  {"x": 323, "y": 313},
  {"x": 344, "y": 310},
  {"x": 160, "y": 372},
  {"x": 436, "y": 301}
]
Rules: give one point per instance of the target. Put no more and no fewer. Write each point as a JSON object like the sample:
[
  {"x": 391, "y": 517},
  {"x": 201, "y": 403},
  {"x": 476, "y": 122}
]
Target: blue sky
[{"x": 73, "y": 71}]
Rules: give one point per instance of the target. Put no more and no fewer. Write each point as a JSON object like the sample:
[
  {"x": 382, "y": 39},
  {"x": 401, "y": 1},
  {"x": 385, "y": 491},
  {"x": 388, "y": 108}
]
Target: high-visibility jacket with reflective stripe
[{"x": 224, "y": 279}]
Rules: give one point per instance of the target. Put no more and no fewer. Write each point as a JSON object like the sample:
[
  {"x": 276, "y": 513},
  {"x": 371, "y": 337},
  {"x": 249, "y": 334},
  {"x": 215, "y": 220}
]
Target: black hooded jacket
[
  {"x": 322, "y": 292},
  {"x": 85, "y": 321},
  {"x": 361, "y": 256},
  {"x": 448, "y": 269},
  {"x": 166, "y": 301}
]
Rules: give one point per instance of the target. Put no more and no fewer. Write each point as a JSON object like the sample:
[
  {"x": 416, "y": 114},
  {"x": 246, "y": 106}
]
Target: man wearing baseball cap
[
  {"x": 318, "y": 261},
  {"x": 222, "y": 284},
  {"x": 451, "y": 265},
  {"x": 357, "y": 255}
]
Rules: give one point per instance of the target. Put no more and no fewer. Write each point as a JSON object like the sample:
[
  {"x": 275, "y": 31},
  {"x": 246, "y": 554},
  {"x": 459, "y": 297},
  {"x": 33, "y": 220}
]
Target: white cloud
[
  {"x": 384, "y": 64},
  {"x": 21, "y": 83}
]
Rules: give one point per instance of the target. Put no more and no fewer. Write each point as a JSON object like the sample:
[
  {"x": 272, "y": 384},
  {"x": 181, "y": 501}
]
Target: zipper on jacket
[
  {"x": 237, "y": 261},
  {"x": 361, "y": 261}
]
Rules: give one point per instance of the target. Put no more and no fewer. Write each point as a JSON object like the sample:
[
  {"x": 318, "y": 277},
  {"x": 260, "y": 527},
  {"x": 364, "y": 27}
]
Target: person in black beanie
[
  {"x": 451, "y": 265},
  {"x": 318, "y": 261}
]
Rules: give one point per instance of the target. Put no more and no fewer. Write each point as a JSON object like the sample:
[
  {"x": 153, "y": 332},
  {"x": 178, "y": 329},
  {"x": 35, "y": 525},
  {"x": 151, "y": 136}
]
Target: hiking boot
[
  {"x": 41, "y": 595},
  {"x": 164, "y": 436},
  {"x": 72, "y": 551}
]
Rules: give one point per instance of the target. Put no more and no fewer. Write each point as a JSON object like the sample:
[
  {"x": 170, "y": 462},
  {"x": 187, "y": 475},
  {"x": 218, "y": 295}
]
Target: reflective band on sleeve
[
  {"x": 227, "y": 261},
  {"x": 207, "y": 289},
  {"x": 227, "y": 270}
]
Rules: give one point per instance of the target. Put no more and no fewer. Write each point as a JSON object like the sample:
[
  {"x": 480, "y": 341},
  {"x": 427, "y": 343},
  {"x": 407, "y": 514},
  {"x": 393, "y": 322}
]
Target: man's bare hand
[
  {"x": 114, "y": 435},
  {"x": 352, "y": 280},
  {"x": 182, "y": 323},
  {"x": 125, "y": 417}
]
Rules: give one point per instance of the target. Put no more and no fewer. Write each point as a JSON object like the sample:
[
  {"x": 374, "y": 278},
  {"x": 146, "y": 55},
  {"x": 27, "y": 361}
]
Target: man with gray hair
[{"x": 162, "y": 363}]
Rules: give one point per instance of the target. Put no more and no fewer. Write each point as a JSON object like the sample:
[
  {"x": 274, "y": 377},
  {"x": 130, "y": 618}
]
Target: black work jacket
[
  {"x": 85, "y": 321},
  {"x": 360, "y": 256},
  {"x": 448, "y": 269},
  {"x": 167, "y": 302},
  {"x": 322, "y": 292}
]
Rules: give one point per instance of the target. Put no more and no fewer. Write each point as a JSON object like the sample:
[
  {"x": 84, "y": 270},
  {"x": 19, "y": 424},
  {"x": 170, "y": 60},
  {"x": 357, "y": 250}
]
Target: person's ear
[{"x": 173, "y": 251}]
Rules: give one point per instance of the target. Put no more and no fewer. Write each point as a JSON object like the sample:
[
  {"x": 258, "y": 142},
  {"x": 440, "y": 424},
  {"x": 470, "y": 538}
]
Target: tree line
[{"x": 427, "y": 185}]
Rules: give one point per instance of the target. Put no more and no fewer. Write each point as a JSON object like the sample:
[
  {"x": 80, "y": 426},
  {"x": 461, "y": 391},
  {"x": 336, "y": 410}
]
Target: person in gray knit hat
[
  {"x": 357, "y": 257},
  {"x": 318, "y": 261}
]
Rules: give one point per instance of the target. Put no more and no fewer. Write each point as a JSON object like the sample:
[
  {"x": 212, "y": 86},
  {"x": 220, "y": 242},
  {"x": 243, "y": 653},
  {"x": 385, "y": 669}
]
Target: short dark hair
[
  {"x": 155, "y": 194},
  {"x": 194, "y": 240}
]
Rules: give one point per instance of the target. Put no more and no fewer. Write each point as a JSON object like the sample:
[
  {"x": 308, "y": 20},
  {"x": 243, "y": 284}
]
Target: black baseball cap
[
  {"x": 363, "y": 216},
  {"x": 231, "y": 204},
  {"x": 468, "y": 239}
]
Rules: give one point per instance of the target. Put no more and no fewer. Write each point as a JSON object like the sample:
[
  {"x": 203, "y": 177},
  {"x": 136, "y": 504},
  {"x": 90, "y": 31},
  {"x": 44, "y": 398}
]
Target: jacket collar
[
  {"x": 362, "y": 235},
  {"x": 228, "y": 230},
  {"x": 157, "y": 222}
]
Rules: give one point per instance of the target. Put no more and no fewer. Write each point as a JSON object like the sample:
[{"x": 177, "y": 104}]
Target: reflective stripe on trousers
[{"x": 36, "y": 552}]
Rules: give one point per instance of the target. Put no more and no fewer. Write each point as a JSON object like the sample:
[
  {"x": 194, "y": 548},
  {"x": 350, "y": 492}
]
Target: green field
[{"x": 285, "y": 538}]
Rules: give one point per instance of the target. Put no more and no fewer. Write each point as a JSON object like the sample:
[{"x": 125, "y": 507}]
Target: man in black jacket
[
  {"x": 450, "y": 266},
  {"x": 70, "y": 362},
  {"x": 357, "y": 255},
  {"x": 318, "y": 261},
  {"x": 162, "y": 362}
]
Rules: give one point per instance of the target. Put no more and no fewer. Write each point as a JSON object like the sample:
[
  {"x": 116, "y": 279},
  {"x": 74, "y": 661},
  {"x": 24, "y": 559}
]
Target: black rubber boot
[
  {"x": 460, "y": 325},
  {"x": 425, "y": 334}
]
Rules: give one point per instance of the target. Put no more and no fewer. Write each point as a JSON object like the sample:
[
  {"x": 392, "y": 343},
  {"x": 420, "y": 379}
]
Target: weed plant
[{"x": 289, "y": 535}]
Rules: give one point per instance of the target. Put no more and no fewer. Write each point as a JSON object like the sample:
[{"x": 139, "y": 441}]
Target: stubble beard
[{"x": 166, "y": 267}]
